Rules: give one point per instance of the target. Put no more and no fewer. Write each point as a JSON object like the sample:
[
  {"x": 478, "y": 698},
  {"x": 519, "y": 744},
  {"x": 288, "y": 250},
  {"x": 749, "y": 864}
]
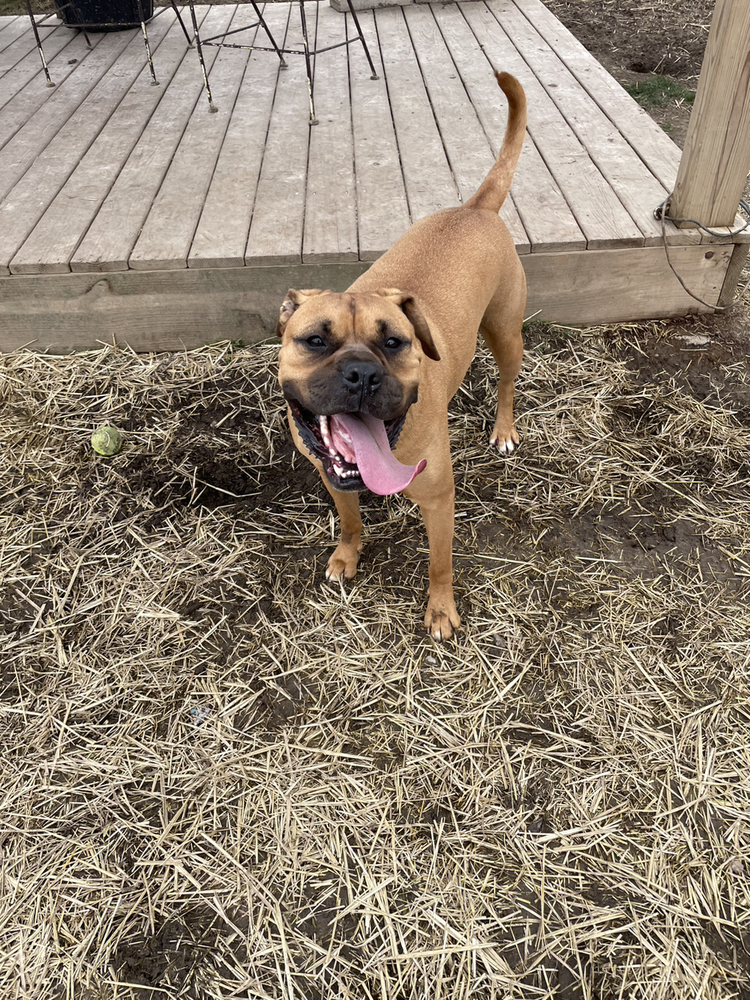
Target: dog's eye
[
  {"x": 316, "y": 341},
  {"x": 393, "y": 342}
]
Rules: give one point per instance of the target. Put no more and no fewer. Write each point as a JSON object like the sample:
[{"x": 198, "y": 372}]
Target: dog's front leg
[
  {"x": 441, "y": 617},
  {"x": 435, "y": 496},
  {"x": 343, "y": 562}
]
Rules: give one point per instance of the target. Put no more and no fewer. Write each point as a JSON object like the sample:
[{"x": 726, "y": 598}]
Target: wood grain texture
[
  {"x": 649, "y": 141},
  {"x": 7, "y": 25},
  {"x": 620, "y": 286},
  {"x": 31, "y": 140},
  {"x": 380, "y": 180},
  {"x": 278, "y": 216},
  {"x": 653, "y": 145},
  {"x": 468, "y": 149},
  {"x": 330, "y": 232},
  {"x": 427, "y": 174},
  {"x": 598, "y": 211},
  {"x": 112, "y": 235},
  {"x": 51, "y": 244},
  {"x": 625, "y": 172},
  {"x": 32, "y": 194},
  {"x": 547, "y": 218},
  {"x": 733, "y": 274},
  {"x": 24, "y": 87},
  {"x": 221, "y": 236},
  {"x": 155, "y": 311},
  {"x": 11, "y": 29},
  {"x": 19, "y": 63},
  {"x": 167, "y": 233},
  {"x": 174, "y": 310},
  {"x": 716, "y": 159}
]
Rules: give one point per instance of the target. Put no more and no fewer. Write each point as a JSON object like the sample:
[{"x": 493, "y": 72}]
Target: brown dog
[{"x": 368, "y": 373}]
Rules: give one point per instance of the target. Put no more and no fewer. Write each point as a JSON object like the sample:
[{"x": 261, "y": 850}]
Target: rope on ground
[{"x": 661, "y": 213}]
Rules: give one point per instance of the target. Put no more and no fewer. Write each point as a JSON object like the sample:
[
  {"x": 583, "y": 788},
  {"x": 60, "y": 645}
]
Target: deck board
[
  {"x": 25, "y": 88},
  {"x": 380, "y": 179},
  {"x": 597, "y": 208},
  {"x": 469, "y": 152},
  {"x": 18, "y": 65},
  {"x": 12, "y": 29},
  {"x": 654, "y": 146},
  {"x": 51, "y": 244},
  {"x": 41, "y": 126},
  {"x": 108, "y": 242},
  {"x": 165, "y": 239},
  {"x": 221, "y": 235},
  {"x": 330, "y": 231},
  {"x": 429, "y": 180},
  {"x": 48, "y": 164},
  {"x": 547, "y": 217},
  {"x": 622, "y": 168},
  {"x": 104, "y": 173},
  {"x": 277, "y": 224}
]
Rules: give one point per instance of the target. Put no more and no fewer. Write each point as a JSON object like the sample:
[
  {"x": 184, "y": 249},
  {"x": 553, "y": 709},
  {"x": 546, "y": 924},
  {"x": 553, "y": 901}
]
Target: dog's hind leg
[
  {"x": 501, "y": 328},
  {"x": 343, "y": 562}
]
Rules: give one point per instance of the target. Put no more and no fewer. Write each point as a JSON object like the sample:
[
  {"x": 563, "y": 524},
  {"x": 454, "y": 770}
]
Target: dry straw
[{"x": 222, "y": 778}]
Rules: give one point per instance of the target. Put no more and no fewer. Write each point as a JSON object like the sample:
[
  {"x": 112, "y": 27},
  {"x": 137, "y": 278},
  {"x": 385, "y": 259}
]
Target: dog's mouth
[{"x": 356, "y": 449}]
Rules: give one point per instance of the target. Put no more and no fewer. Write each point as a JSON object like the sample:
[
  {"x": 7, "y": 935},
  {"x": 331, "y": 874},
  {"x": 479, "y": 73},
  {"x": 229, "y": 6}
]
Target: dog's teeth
[{"x": 324, "y": 432}]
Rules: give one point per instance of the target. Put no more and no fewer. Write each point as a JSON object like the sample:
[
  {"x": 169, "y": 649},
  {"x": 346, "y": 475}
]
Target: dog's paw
[
  {"x": 343, "y": 563},
  {"x": 441, "y": 618},
  {"x": 506, "y": 441}
]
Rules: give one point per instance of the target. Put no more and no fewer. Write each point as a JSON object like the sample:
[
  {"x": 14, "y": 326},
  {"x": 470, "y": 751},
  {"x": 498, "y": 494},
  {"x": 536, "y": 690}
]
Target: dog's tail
[{"x": 494, "y": 188}]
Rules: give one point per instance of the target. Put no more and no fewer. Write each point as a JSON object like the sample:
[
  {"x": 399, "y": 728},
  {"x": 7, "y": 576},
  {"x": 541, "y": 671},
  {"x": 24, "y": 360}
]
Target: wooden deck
[{"x": 128, "y": 211}]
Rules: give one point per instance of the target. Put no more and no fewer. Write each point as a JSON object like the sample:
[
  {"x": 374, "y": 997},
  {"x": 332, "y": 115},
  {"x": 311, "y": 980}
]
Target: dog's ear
[
  {"x": 407, "y": 303},
  {"x": 292, "y": 302}
]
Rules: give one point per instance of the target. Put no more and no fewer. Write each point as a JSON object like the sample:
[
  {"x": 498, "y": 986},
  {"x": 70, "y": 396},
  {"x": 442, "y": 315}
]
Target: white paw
[{"x": 506, "y": 446}]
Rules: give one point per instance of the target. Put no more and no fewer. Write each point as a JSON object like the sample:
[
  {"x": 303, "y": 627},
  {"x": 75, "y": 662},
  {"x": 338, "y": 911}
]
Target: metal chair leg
[
  {"x": 308, "y": 68},
  {"x": 79, "y": 19},
  {"x": 271, "y": 39},
  {"x": 362, "y": 39},
  {"x": 144, "y": 32},
  {"x": 176, "y": 9},
  {"x": 197, "y": 39},
  {"x": 39, "y": 48}
]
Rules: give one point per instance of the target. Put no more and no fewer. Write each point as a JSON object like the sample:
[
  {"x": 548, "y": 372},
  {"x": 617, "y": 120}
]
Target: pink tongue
[{"x": 380, "y": 469}]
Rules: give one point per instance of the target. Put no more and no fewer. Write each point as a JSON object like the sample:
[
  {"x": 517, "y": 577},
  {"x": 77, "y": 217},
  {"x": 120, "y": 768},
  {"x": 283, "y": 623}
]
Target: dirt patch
[
  {"x": 641, "y": 43},
  {"x": 221, "y": 774}
]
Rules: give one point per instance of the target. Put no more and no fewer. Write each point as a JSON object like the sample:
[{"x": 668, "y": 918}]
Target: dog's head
[{"x": 349, "y": 367}]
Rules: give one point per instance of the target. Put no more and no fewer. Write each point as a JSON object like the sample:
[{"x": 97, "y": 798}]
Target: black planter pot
[{"x": 103, "y": 15}]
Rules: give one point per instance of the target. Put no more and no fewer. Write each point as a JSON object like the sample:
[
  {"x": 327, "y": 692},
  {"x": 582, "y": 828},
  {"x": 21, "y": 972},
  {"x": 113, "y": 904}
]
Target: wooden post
[{"x": 716, "y": 159}]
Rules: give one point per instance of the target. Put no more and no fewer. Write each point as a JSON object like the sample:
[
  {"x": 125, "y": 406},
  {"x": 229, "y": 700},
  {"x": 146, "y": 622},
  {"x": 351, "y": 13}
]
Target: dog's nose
[{"x": 364, "y": 377}]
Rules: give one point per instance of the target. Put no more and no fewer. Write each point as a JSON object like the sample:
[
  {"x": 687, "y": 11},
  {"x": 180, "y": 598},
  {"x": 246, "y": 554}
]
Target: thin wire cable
[{"x": 660, "y": 213}]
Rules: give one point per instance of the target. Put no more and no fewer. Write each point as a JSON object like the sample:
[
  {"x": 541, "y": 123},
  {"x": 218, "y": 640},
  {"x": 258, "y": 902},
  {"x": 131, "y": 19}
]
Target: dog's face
[{"x": 348, "y": 362}]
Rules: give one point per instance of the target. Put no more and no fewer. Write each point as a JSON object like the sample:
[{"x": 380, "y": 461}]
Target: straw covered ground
[{"x": 220, "y": 777}]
